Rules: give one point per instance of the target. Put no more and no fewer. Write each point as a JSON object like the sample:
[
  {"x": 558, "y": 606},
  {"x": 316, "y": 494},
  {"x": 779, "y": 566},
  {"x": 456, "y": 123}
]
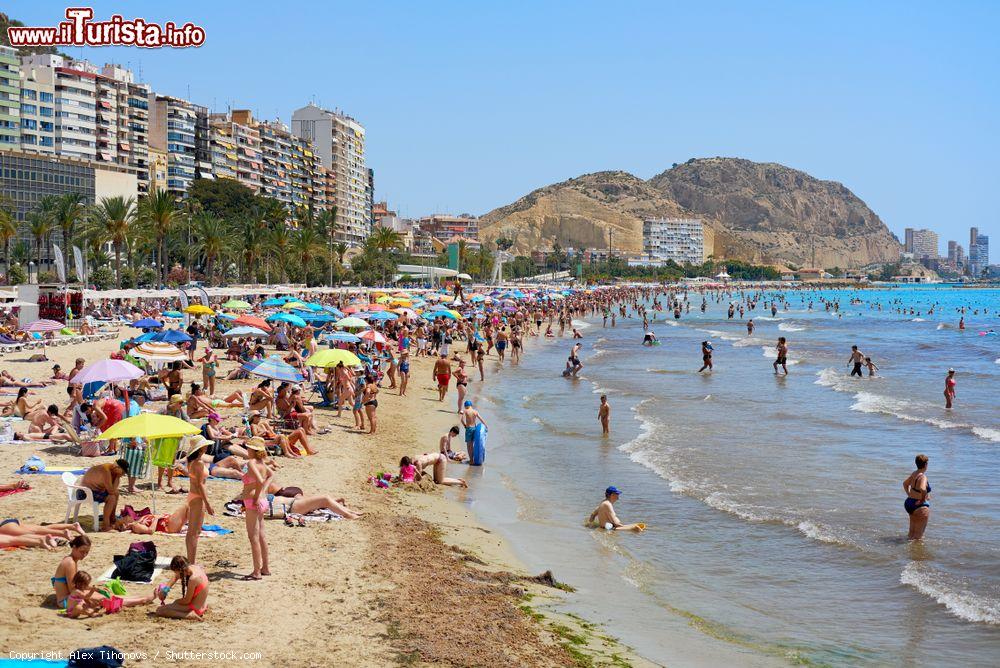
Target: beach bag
[
  {"x": 33, "y": 465},
  {"x": 91, "y": 449},
  {"x": 138, "y": 462},
  {"x": 104, "y": 656},
  {"x": 137, "y": 564}
]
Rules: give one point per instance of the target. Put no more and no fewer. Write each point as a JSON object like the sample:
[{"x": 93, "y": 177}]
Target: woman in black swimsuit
[
  {"x": 371, "y": 403},
  {"x": 918, "y": 490},
  {"x": 461, "y": 383}
]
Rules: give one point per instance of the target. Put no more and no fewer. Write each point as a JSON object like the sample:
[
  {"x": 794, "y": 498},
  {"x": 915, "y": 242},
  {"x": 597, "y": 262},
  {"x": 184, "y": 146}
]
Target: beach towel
[
  {"x": 33, "y": 663},
  {"x": 8, "y": 492},
  {"x": 207, "y": 531},
  {"x": 53, "y": 470}
]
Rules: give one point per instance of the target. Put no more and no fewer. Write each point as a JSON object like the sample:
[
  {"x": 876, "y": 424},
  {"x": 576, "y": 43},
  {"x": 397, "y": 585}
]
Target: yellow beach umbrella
[
  {"x": 332, "y": 357},
  {"x": 291, "y": 305},
  {"x": 149, "y": 426},
  {"x": 199, "y": 309},
  {"x": 384, "y": 299}
]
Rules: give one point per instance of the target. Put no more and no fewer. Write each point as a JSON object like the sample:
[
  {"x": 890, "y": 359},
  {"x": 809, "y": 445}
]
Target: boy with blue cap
[{"x": 604, "y": 515}]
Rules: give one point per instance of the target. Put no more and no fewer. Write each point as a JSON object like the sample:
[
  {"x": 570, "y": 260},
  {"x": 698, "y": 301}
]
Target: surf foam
[{"x": 959, "y": 601}]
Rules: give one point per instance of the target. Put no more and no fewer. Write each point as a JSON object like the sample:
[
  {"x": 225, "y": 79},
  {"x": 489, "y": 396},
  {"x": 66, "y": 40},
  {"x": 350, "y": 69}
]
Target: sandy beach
[{"x": 417, "y": 580}]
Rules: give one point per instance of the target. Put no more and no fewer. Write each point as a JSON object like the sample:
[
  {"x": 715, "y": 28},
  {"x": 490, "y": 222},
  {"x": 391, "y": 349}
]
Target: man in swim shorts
[
  {"x": 442, "y": 373},
  {"x": 857, "y": 359},
  {"x": 102, "y": 480},
  {"x": 605, "y": 517},
  {"x": 469, "y": 418}
]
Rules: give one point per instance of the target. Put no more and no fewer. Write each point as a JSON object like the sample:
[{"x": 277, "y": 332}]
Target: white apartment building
[
  {"x": 679, "y": 239},
  {"x": 75, "y": 86},
  {"x": 173, "y": 124},
  {"x": 339, "y": 141},
  {"x": 925, "y": 244},
  {"x": 10, "y": 98},
  {"x": 38, "y": 115}
]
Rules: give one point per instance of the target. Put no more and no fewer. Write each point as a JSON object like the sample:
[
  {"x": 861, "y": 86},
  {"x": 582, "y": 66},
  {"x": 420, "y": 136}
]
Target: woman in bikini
[
  {"x": 197, "y": 501},
  {"x": 199, "y": 405},
  {"x": 255, "y": 483},
  {"x": 193, "y": 602},
  {"x": 461, "y": 383},
  {"x": 439, "y": 462},
  {"x": 150, "y": 524},
  {"x": 404, "y": 372},
  {"x": 262, "y": 399},
  {"x": 20, "y": 407},
  {"x": 209, "y": 365},
  {"x": 918, "y": 490},
  {"x": 289, "y": 444},
  {"x": 79, "y": 548},
  {"x": 370, "y": 402}
]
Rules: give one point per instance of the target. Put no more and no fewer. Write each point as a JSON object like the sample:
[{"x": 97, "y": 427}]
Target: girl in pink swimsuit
[{"x": 256, "y": 480}]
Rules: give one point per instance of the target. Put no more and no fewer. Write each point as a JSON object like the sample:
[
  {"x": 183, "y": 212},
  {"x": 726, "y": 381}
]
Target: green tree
[
  {"x": 112, "y": 220},
  {"x": 157, "y": 216},
  {"x": 307, "y": 245},
  {"x": 70, "y": 210},
  {"x": 327, "y": 227},
  {"x": 41, "y": 222},
  {"x": 8, "y": 228},
  {"x": 214, "y": 239},
  {"x": 16, "y": 275},
  {"x": 225, "y": 198},
  {"x": 279, "y": 240}
]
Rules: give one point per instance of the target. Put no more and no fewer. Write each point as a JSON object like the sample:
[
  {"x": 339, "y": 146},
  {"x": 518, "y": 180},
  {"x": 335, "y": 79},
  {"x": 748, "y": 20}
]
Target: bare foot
[{"x": 79, "y": 529}]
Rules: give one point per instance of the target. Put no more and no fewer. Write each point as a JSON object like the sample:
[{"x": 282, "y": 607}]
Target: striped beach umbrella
[
  {"x": 157, "y": 351},
  {"x": 274, "y": 368}
]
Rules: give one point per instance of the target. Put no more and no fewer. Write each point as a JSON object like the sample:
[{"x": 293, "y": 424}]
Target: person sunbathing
[
  {"x": 200, "y": 405},
  {"x": 20, "y": 407},
  {"x": 14, "y": 486},
  {"x": 48, "y": 425},
  {"x": 13, "y": 528},
  {"x": 289, "y": 444},
  {"x": 149, "y": 524},
  {"x": 290, "y": 407},
  {"x": 7, "y": 380},
  {"x": 303, "y": 505},
  {"x": 262, "y": 399},
  {"x": 68, "y": 567}
]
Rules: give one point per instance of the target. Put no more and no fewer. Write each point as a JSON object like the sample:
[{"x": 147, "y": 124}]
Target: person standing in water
[
  {"x": 918, "y": 490},
  {"x": 706, "y": 356},
  {"x": 857, "y": 358},
  {"x": 782, "y": 358},
  {"x": 750, "y": 327},
  {"x": 604, "y": 415},
  {"x": 949, "y": 388}
]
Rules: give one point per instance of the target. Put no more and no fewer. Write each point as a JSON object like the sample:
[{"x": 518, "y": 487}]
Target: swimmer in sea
[
  {"x": 706, "y": 356},
  {"x": 782, "y": 358},
  {"x": 604, "y": 515},
  {"x": 918, "y": 490},
  {"x": 604, "y": 414},
  {"x": 750, "y": 327},
  {"x": 872, "y": 367},
  {"x": 949, "y": 388},
  {"x": 649, "y": 339}
]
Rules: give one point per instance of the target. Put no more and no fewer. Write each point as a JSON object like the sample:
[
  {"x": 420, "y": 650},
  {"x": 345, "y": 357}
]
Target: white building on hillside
[{"x": 678, "y": 239}]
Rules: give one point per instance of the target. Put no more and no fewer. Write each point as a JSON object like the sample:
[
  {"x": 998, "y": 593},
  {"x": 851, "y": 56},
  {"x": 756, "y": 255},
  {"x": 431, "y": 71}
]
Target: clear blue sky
[{"x": 470, "y": 105}]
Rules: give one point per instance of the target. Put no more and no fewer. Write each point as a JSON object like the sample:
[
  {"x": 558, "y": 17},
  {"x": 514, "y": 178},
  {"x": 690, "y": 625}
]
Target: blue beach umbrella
[
  {"x": 287, "y": 317},
  {"x": 147, "y": 323},
  {"x": 171, "y": 336},
  {"x": 173, "y": 314},
  {"x": 439, "y": 314},
  {"x": 244, "y": 330},
  {"x": 275, "y": 369},
  {"x": 142, "y": 338},
  {"x": 383, "y": 315},
  {"x": 340, "y": 337},
  {"x": 335, "y": 311}
]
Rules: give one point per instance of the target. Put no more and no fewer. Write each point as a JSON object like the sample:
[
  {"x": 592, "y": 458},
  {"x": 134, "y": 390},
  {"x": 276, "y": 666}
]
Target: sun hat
[
  {"x": 256, "y": 443},
  {"x": 214, "y": 417},
  {"x": 198, "y": 442}
]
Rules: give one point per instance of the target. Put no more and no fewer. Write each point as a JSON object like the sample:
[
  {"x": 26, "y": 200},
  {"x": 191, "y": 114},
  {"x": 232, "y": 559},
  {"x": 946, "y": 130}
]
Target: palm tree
[
  {"x": 386, "y": 239},
  {"x": 116, "y": 216},
  {"x": 307, "y": 245},
  {"x": 279, "y": 240},
  {"x": 158, "y": 213},
  {"x": 340, "y": 249},
  {"x": 41, "y": 223},
  {"x": 69, "y": 211},
  {"x": 327, "y": 224},
  {"x": 253, "y": 233},
  {"x": 8, "y": 229},
  {"x": 214, "y": 240}
]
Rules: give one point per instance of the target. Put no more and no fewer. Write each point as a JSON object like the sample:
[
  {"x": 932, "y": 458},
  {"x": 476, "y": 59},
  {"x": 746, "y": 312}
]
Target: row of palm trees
[{"x": 160, "y": 230}]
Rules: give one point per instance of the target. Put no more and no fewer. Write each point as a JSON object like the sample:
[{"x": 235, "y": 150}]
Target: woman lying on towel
[
  {"x": 7, "y": 380},
  {"x": 287, "y": 500},
  {"x": 150, "y": 524},
  {"x": 15, "y": 534}
]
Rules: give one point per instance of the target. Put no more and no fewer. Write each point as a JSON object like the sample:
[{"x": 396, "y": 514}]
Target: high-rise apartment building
[
  {"x": 679, "y": 239},
  {"x": 75, "y": 104},
  {"x": 444, "y": 227},
  {"x": 339, "y": 141},
  {"x": 908, "y": 242},
  {"x": 979, "y": 252},
  {"x": 234, "y": 147},
  {"x": 925, "y": 244},
  {"x": 180, "y": 128},
  {"x": 38, "y": 116},
  {"x": 10, "y": 98}
]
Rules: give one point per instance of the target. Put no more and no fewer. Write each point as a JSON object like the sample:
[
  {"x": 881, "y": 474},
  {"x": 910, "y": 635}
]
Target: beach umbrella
[
  {"x": 244, "y": 330},
  {"x": 237, "y": 304},
  {"x": 287, "y": 317},
  {"x": 314, "y": 307},
  {"x": 148, "y": 336},
  {"x": 274, "y": 368},
  {"x": 352, "y": 323},
  {"x": 332, "y": 357},
  {"x": 171, "y": 336},
  {"x": 293, "y": 305},
  {"x": 149, "y": 426},
  {"x": 342, "y": 337},
  {"x": 110, "y": 371},
  {"x": 450, "y": 314},
  {"x": 373, "y": 308},
  {"x": 147, "y": 323},
  {"x": 199, "y": 309},
  {"x": 373, "y": 336},
  {"x": 173, "y": 314},
  {"x": 226, "y": 316},
  {"x": 157, "y": 351},
  {"x": 44, "y": 326},
  {"x": 253, "y": 321},
  {"x": 334, "y": 311},
  {"x": 353, "y": 308},
  {"x": 407, "y": 312},
  {"x": 383, "y": 315},
  {"x": 274, "y": 302}
]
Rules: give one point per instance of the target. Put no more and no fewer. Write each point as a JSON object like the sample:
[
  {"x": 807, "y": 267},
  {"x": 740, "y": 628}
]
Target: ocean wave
[
  {"x": 768, "y": 318},
  {"x": 580, "y": 324},
  {"x": 771, "y": 353},
  {"x": 941, "y": 326},
  {"x": 869, "y": 402},
  {"x": 959, "y": 601},
  {"x": 749, "y": 341},
  {"x": 917, "y": 320},
  {"x": 670, "y": 371},
  {"x": 789, "y": 327},
  {"x": 714, "y": 333}
]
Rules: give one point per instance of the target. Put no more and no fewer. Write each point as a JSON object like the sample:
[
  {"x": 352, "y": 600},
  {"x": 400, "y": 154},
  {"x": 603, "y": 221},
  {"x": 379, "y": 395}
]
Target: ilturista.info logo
[{"x": 81, "y": 30}]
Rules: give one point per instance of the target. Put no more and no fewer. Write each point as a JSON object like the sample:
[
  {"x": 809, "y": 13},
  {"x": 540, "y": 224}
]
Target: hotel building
[{"x": 679, "y": 239}]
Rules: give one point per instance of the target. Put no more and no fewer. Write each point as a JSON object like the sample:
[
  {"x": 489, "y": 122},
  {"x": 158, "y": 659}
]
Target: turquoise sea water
[{"x": 775, "y": 504}]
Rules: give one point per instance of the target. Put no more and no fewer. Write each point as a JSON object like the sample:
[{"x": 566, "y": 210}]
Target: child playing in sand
[
  {"x": 87, "y": 600},
  {"x": 194, "y": 591},
  {"x": 68, "y": 567},
  {"x": 407, "y": 471}
]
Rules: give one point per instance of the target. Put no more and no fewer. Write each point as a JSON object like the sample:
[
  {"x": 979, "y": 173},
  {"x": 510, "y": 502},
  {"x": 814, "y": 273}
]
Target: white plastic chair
[{"x": 73, "y": 504}]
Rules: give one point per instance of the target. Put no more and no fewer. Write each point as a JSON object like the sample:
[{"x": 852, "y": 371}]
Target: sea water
[{"x": 774, "y": 503}]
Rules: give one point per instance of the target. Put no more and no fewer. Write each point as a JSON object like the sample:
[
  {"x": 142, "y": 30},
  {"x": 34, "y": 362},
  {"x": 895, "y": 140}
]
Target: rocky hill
[{"x": 761, "y": 212}]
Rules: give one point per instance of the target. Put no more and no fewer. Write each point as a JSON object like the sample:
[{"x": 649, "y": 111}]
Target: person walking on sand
[
  {"x": 949, "y": 388},
  {"x": 782, "y": 358},
  {"x": 706, "y": 356},
  {"x": 918, "y": 490},
  {"x": 604, "y": 515},
  {"x": 604, "y": 415},
  {"x": 442, "y": 374},
  {"x": 461, "y": 383},
  {"x": 198, "y": 503},
  {"x": 857, "y": 358}
]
